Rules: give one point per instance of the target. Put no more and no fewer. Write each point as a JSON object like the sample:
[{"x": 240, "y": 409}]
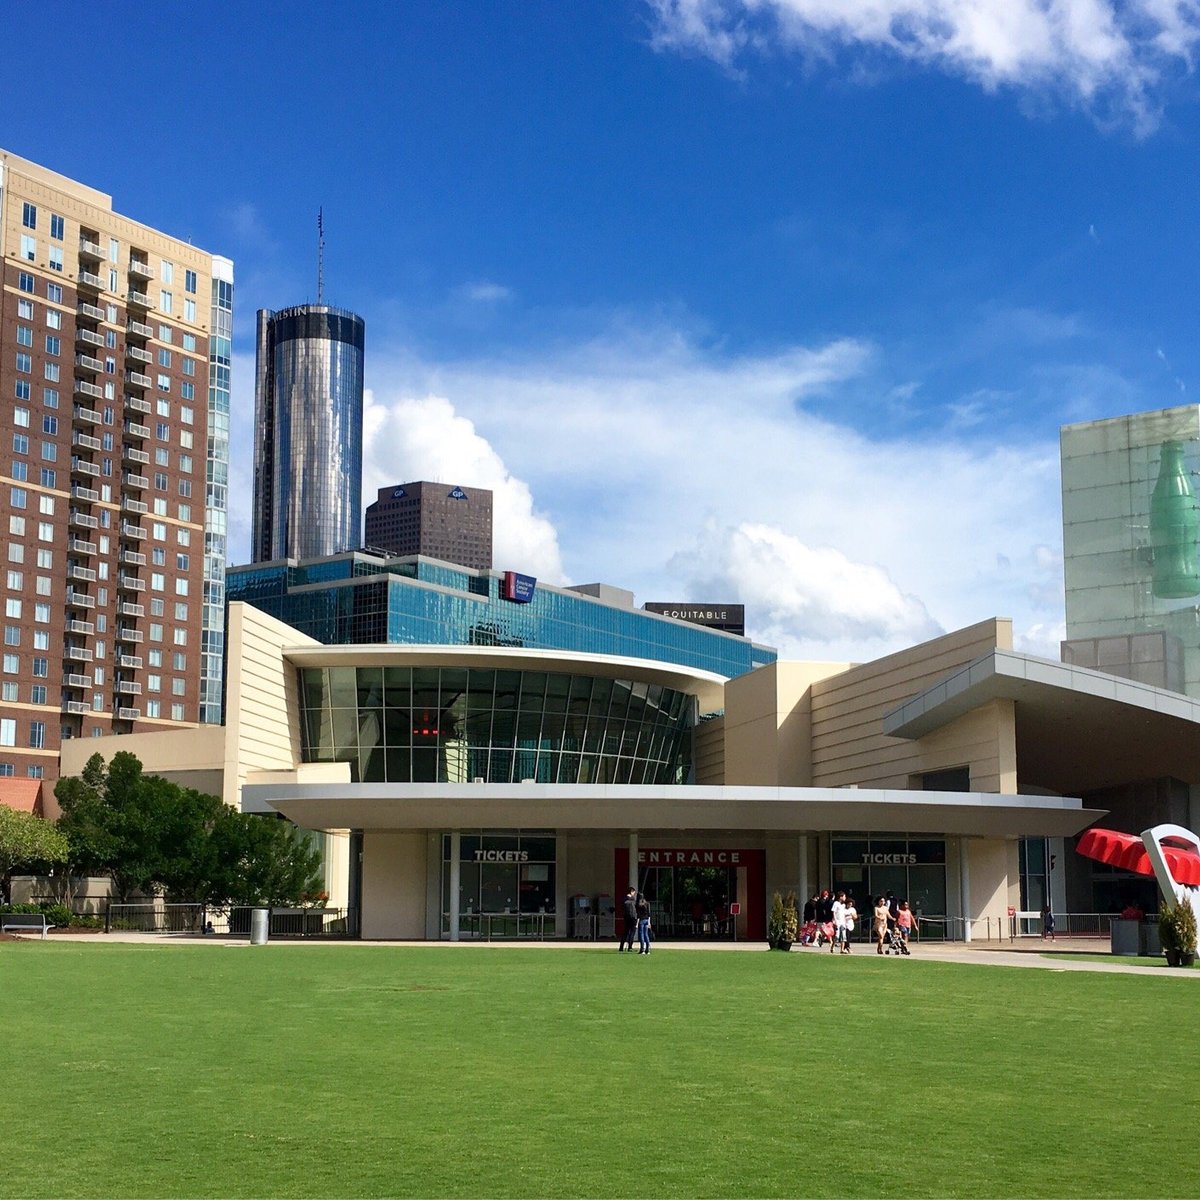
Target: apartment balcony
[
  {"x": 130, "y": 662},
  {"x": 81, "y": 415},
  {"x": 85, "y": 362},
  {"x": 91, "y": 310},
  {"x": 90, "y": 336},
  {"x": 138, "y": 404},
  {"x": 75, "y": 706},
  {"x": 77, "y": 653},
  {"x": 86, "y": 440},
  {"x": 130, "y": 583},
  {"x": 83, "y": 388},
  {"x": 82, "y": 520},
  {"x": 137, "y": 379},
  {"x": 75, "y": 571},
  {"x": 126, "y": 608},
  {"x": 136, "y": 429},
  {"x": 125, "y": 634},
  {"x": 131, "y": 454},
  {"x": 90, "y": 249},
  {"x": 140, "y": 268},
  {"x": 81, "y": 546},
  {"x": 137, "y": 482},
  {"x": 138, "y": 329},
  {"x": 138, "y": 353},
  {"x": 87, "y": 279},
  {"x": 130, "y": 505},
  {"x": 80, "y": 600},
  {"x": 77, "y": 681},
  {"x": 84, "y": 627},
  {"x": 135, "y": 558},
  {"x": 129, "y": 714},
  {"x": 126, "y": 687},
  {"x": 87, "y": 495},
  {"x": 132, "y": 531},
  {"x": 140, "y": 299},
  {"x": 80, "y": 466}
]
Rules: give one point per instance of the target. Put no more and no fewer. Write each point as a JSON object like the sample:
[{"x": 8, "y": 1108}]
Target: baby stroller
[
  {"x": 808, "y": 934},
  {"x": 894, "y": 943},
  {"x": 825, "y": 933}
]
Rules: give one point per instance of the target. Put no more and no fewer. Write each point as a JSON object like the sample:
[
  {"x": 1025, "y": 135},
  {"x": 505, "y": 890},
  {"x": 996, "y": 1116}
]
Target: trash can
[
  {"x": 1125, "y": 937},
  {"x": 259, "y": 925}
]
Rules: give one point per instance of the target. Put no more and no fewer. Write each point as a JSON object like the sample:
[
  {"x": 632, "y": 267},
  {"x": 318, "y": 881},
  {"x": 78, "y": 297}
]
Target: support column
[
  {"x": 455, "y": 881},
  {"x": 633, "y": 859},
  {"x": 964, "y": 887},
  {"x": 803, "y": 873}
]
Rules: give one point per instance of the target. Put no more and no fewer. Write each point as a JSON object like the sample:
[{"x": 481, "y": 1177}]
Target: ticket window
[{"x": 503, "y": 875}]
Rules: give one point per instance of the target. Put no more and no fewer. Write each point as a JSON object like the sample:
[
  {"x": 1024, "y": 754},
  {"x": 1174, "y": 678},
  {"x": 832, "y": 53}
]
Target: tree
[
  {"x": 27, "y": 840},
  {"x": 151, "y": 835}
]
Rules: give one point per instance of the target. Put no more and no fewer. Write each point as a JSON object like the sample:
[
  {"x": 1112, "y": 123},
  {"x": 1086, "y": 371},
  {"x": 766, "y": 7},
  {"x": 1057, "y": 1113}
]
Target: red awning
[{"x": 1127, "y": 852}]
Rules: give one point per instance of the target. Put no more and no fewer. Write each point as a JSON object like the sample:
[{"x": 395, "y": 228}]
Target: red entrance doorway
[{"x": 691, "y": 891}]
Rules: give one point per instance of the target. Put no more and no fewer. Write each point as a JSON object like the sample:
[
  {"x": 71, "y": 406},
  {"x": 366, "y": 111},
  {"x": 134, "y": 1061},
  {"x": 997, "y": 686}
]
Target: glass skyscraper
[{"x": 308, "y": 432}]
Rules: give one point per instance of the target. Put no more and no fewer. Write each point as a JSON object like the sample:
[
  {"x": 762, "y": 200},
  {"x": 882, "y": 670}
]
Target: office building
[
  {"x": 438, "y": 520},
  {"x": 114, "y": 402},
  {"x": 308, "y": 408},
  {"x": 363, "y": 598},
  {"x": 1131, "y": 546}
]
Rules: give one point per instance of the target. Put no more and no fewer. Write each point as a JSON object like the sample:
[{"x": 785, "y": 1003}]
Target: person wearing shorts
[{"x": 906, "y": 921}]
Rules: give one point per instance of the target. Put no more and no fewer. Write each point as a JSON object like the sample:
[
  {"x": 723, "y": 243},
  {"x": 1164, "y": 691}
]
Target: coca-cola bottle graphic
[{"x": 1174, "y": 527}]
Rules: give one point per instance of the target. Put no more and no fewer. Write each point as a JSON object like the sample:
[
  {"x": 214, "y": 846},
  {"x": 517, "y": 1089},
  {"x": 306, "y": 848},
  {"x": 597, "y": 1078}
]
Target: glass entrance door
[{"x": 690, "y": 902}]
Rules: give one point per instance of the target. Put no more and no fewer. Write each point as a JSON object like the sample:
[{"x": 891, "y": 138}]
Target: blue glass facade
[{"x": 360, "y": 599}]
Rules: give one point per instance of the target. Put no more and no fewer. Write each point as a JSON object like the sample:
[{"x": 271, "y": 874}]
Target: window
[
  {"x": 157, "y": 607},
  {"x": 21, "y": 418},
  {"x": 41, "y": 668},
  {"x": 114, "y": 250},
  {"x": 181, "y": 562},
  {"x": 8, "y": 735},
  {"x": 51, "y": 373},
  {"x": 56, "y": 227},
  {"x": 16, "y": 552},
  {"x": 185, "y": 438},
  {"x": 156, "y": 632},
  {"x": 34, "y": 772},
  {"x": 55, "y": 258},
  {"x": 165, "y": 301},
  {"x": 153, "y": 708},
  {"x": 186, "y": 415},
  {"x": 158, "y": 556},
  {"x": 183, "y": 537},
  {"x": 16, "y": 580},
  {"x": 41, "y": 614},
  {"x": 185, "y": 512},
  {"x": 12, "y": 635},
  {"x": 37, "y": 693},
  {"x": 50, "y": 397},
  {"x": 164, "y": 383},
  {"x": 164, "y": 334},
  {"x": 54, "y": 292},
  {"x": 50, "y": 424},
  {"x": 157, "y": 581},
  {"x": 18, "y": 497},
  {"x": 181, "y": 587},
  {"x": 180, "y": 637},
  {"x": 113, "y": 280},
  {"x": 37, "y": 734},
  {"x": 178, "y": 661},
  {"x": 106, "y": 441},
  {"x": 154, "y": 683},
  {"x": 189, "y": 281},
  {"x": 189, "y": 306},
  {"x": 25, "y": 310},
  {"x": 42, "y": 585},
  {"x": 176, "y": 712},
  {"x": 108, "y": 415},
  {"x": 53, "y": 344},
  {"x": 160, "y": 507},
  {"x": 45, "y": 560},
  {"x": 49, "y": 477},
  {"x": 28, "y": 247},
  {"x": 8, "y": 691},
  {"x": 154, "y": 658},
  {"x": 187, "y": 391},
  {"x": 16, "y": 525},
  {"x": 163, "y": 408},
  {"x": 164, "y": 357},
  {"x": 20, "y": 470},
  {"x": 12, "y": 608},
  {"x": 24, "y": 389},
  {"x": 166, "y": 271},
  {"x": 41, "y": 640},
  {"x": 158, "y": 531},
  {"x": 24, "y": 335},
  {"x": 24, "y": 364},
  {"x": 25, "y": 281},
  {"x": 29, "y": 215},
  {"x": 162, "y": 457},
  {"x": 45, "y": 531},
  {"x": 11, "y": 664},
  {"x": 46, "y": 506},
  {"x": 160, "y": 481},
  {"x": 178, "y": 687},
  {"x": 189, "y": 341},
  {"x": 53, "y": 318}
]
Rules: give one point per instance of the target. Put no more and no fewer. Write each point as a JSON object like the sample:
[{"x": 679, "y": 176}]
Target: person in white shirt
[
  {"x": 849, "y": 920},
  {"x": 839, "y": 922}
]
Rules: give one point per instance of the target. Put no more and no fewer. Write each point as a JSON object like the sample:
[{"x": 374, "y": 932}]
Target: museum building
[{"x": 482, "y": 791}]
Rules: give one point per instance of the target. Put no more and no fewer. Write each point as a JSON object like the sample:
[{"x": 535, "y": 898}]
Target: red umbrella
[{"x": 1127, "y": 852}]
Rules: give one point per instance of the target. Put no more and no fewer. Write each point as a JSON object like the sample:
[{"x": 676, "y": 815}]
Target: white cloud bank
[
  {"x": 685, "y": 475},
  {"x": 1110, "y": 57}
]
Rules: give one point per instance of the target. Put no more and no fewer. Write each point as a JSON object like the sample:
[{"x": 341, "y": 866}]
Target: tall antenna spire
[{"x": 320, "y": 255}]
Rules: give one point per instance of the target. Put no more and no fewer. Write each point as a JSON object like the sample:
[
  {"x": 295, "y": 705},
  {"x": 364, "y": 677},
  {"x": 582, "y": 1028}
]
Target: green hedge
[{"x": 56, "y": 914}]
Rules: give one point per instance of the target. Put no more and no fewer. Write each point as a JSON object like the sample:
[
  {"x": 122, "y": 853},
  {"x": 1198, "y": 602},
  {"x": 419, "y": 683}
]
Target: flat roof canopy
[
  {"x": 1077, "y": 729},
  {"x": 382, "y": 806}
]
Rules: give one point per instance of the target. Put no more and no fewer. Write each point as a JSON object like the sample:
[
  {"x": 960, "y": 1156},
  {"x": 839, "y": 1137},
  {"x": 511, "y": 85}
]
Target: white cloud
[
  {"x": 484, "y": 292},
  {"x": 1108, "y": 56},
  {"x": 410, "y": 438}
]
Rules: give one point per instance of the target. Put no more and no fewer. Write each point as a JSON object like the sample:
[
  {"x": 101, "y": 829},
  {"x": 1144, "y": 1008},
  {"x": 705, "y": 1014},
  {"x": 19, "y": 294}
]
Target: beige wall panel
[
  {"x": 988, "y": 861},
  {"x": 393, "y": 885},
  {"x": 590, "y": 863},
  {"x": 709, "y": 750}
]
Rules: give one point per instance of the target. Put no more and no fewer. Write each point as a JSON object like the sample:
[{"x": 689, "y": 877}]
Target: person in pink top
[{"x": 906, "y": 920}]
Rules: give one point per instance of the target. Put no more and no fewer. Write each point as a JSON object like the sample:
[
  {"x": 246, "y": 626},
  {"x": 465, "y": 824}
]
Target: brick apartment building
[{"x": 114, "y": 427}]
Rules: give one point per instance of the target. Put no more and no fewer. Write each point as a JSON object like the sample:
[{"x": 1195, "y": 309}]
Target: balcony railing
[
  {"x": 139, "y": 329},
  {"x": 75, "y": 571},
  {"x": 87, "y": 335},
  {"x": 137, "y": 404},
  {"x": 139, "y": 298},
  {"x": 130, "y": 583},
  {"x": 125, "y": 634},
  {"x": 83, "y": 388},
  {"x": 87, "y": 363},
  {"x": 126, "y": 608},
  {"x": 132, "y": 531},
  {"x": 129, "y": 504},
  {"x": 77, "y": 681},
  {"x": 131, "y": 662},
  {"x": 79, "y": 545},
  {"x": 88, "y": 495},
  {"x": 129, "y": 714},
  {"x": 82, "y": 520},
  {"x": 91, "y": 310},
  {"x": 83, "y": 467},
  {"x": 90, "y": 249},
  {"x": 137, "y": 267},
  {"x": 137, "y": 429},
  {"x": 82, "y": 415},
  {"x": 137, "y": 456},
  {"x": 75, "y": 706},
  {"x": 85, "y": 627},
  {"x": 138, "y": 482},
  {"x": 77, "y": 653},
  {"x": 138, "y": 353},
  {"x": 90, "y": 280},
  {"x": 137, "y": 379},
  {"x": 80, "y": 600},
  {"x": 86, "y": 440}
]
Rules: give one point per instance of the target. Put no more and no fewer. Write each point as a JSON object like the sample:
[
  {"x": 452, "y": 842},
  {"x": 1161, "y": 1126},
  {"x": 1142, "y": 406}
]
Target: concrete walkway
[{"x": 1025, "y": 952}]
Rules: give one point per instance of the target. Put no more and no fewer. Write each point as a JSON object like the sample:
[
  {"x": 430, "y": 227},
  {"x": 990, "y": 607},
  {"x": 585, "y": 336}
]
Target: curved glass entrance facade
[{"x": 457, "y": 724}]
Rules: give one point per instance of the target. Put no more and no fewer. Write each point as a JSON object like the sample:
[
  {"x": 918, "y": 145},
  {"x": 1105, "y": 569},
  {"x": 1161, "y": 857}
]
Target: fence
[{"x": 232, "y": 921}]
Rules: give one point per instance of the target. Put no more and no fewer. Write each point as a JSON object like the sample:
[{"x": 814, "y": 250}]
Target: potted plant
[
  {"x": 777, "y": 929},
  {"x": 791, "y": 919},
  {"x": 1177, "y": 931}
]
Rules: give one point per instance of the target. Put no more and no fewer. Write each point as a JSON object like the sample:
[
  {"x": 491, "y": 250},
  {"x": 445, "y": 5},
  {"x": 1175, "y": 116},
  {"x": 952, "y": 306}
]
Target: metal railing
[{"x": 233, "y": 921}]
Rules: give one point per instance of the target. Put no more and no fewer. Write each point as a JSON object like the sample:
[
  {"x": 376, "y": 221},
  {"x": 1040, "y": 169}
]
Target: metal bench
[{"x": 25, "y": 922}]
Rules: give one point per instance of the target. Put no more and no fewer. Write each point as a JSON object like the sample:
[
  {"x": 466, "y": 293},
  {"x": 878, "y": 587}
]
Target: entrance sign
[{"x": 690, "y": 858}]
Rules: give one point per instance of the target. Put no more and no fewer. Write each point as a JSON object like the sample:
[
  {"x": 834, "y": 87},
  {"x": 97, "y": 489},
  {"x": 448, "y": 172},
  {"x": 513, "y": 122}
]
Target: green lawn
[{"x": 365, "y": 1071}]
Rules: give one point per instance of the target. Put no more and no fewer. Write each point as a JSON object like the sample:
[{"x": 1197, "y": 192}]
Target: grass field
[{"x": 365, "y": 1071}]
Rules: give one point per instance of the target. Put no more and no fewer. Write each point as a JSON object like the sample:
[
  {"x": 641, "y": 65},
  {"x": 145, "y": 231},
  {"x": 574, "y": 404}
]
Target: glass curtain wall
[
  {"x": 912, "y": 869},
  {"x": 456, "y": 724}
]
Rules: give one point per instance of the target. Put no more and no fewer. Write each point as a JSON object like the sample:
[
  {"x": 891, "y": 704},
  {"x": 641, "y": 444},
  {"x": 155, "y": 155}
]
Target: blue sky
[{"x": 780, "y": 302}]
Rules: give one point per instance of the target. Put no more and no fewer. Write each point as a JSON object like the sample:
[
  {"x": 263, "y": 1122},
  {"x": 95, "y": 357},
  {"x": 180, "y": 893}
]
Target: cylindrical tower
[{"x": 308, "y": 406}]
